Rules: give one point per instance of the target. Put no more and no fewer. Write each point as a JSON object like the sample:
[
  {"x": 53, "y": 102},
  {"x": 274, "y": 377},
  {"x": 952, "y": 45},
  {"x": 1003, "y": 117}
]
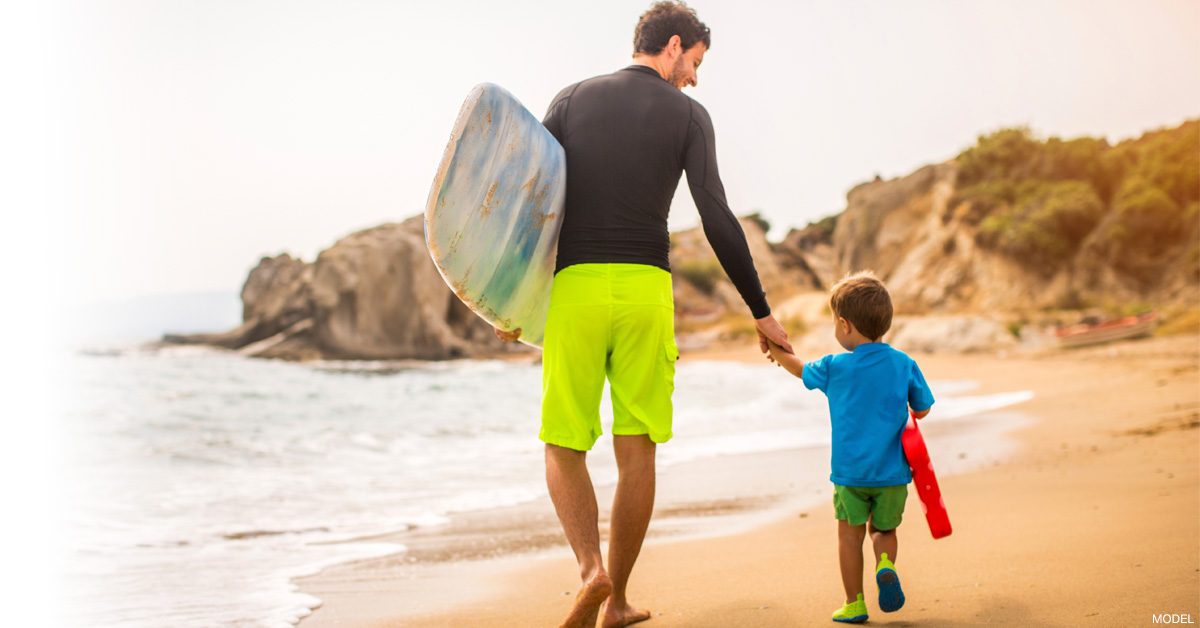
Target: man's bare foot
[
  {"x": 624, "y": 615},
  {"x": 587, "y": 602}
]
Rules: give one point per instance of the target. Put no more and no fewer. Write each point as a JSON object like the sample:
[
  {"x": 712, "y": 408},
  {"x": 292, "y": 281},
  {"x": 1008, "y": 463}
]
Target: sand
[{"x": 1095, "y": 520}]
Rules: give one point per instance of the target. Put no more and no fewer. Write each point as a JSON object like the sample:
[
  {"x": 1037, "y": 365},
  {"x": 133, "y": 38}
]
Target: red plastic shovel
[{"x": 925, "y": 480}]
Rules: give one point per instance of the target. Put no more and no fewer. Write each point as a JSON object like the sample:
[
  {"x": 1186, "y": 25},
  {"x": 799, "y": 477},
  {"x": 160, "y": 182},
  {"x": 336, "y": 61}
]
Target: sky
[{"x": 187, "y": 139}]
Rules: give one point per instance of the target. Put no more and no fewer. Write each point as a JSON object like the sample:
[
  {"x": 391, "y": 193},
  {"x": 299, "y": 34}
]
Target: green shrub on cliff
[
  {"x": 1045, "y": 224},
  {"x": 1168, "y": 160},
  {"x": 1145, "y": 222},
  {"x": 1145, "y": 216},
  {"x": 704, "y": 274},
  {"x": 1012, "y": 155},
  {"x": 826, "y": 225},
  {"x": 1004, "y": 155},
  {"x": 1038, "y": 201},
  {"x": 757, "y": 218},
  {"x": 992, "y": 196}
]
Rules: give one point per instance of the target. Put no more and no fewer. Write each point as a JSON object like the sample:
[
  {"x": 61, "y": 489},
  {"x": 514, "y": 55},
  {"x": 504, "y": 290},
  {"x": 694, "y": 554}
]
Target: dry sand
[{"x": 1096, "y": 520}]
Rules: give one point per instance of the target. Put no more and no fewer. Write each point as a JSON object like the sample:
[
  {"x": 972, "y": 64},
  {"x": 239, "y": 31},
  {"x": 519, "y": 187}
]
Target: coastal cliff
[
  {"x": 1012, "y": 227},
  {"x": 1017, "y": 225}
]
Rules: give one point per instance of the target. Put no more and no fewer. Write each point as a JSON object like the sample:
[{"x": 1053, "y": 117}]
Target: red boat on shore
[{"x": 1083, "y": 334}]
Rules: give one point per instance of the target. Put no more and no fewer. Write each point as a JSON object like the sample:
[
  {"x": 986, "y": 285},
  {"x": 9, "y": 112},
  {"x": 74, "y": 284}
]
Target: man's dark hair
[
  {"x": 862, "y": 299},
  {"x": 664, "y": 19}
]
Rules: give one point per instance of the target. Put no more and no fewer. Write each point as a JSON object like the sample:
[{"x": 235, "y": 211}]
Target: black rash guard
[{"x": 628, "y": 136}]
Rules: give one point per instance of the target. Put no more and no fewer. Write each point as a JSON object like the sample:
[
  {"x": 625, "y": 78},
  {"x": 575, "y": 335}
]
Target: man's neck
[{"x": 656, "y": 63}]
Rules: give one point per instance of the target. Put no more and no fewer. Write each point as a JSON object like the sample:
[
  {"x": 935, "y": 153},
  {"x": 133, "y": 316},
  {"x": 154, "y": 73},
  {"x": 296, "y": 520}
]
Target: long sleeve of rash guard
[{"x": 721, "y": 227}]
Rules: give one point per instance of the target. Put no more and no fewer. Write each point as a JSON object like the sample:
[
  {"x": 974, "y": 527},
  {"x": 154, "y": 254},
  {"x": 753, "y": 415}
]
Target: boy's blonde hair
[{"x": 862, "y": 299}]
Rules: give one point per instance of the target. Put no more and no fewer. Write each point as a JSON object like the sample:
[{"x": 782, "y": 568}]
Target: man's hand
[
  {"x": 507, "y": 336},
  {"x": 770, "y": 329}
]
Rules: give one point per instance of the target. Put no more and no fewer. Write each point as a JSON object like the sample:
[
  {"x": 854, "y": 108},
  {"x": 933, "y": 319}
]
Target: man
[{"x": 628, "y": 136}]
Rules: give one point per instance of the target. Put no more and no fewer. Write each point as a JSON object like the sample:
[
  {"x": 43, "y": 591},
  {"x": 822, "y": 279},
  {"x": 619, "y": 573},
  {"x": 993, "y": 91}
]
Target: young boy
[{"x": 869, "y": 390}]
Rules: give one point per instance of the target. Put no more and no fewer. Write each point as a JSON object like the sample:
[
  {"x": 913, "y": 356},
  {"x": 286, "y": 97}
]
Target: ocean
[{"x": 202, "y": 482}]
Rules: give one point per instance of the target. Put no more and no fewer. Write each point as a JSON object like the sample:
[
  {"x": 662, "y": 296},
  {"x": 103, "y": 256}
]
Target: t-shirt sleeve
[
  {"x": 816, "y": 373},
  {"x": 721, "y": 227},
  {"x": 920, "y": 398}
]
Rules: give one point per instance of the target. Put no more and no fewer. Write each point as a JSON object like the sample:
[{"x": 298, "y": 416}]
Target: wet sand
[{"x": 1095, "y": 518}]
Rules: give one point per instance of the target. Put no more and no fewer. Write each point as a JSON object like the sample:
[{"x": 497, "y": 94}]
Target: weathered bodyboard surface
[{"x": 495, "y": 210}]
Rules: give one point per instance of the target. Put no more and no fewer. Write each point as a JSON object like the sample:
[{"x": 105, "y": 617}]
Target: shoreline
[
  {"x": 441, "y": 580},
  {"x": 698, "y": 499},
  {"x": 1094, "y": 519}
]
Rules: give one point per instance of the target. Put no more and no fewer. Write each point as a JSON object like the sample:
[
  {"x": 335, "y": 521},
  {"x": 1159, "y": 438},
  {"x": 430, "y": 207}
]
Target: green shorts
[
  {"x": 884, "y": 505},
  {"x": 615, "y": 321}
]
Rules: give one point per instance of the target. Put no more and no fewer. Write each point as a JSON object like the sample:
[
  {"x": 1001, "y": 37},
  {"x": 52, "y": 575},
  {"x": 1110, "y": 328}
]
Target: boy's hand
[
  {"x": 919, "y": 415},
  {"x": 773, "y": 350},
  {"x": 788, "y": 361}
]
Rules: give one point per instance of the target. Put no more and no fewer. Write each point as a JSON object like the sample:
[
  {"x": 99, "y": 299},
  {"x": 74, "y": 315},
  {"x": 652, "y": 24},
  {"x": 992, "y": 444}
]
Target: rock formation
[{"x": 375, "y": 294}]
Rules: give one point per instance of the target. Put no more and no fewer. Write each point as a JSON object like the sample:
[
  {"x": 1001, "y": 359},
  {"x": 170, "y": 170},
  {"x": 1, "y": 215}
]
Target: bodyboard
[{"x": 495, "y": 211}]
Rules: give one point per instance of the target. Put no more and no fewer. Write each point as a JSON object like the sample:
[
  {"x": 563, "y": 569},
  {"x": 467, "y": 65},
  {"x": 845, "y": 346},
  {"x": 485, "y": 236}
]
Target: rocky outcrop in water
[{"x": 375, "y": 294}]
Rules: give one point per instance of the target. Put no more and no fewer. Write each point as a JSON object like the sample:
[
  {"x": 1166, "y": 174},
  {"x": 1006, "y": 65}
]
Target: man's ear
[{"x": 675, "y": 45}]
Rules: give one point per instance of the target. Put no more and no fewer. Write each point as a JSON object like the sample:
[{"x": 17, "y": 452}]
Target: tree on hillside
[{"x": 1038, "y": 201}]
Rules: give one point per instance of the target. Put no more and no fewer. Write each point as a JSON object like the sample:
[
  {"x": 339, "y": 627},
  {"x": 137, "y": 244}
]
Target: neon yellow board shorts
[{"x": 615, "y": 321}]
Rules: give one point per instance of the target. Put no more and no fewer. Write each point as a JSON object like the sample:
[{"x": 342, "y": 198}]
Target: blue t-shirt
[{"x": 869, "y": 391}]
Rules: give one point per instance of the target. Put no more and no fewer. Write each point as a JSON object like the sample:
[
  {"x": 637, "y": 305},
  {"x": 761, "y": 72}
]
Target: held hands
[
  {"x": 773, "y": 341},
  {"x": 788, "y": 361},
  {"x": 775, "y": 353},
  {"x": 770, "y": 330},
  {"x": 507, "y": 336}
]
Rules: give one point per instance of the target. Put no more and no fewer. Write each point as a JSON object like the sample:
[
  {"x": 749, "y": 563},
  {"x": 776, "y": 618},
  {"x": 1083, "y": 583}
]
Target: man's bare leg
[
  {"x": 633, "y": 506},
  {"x": 574, "y": 500}
]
